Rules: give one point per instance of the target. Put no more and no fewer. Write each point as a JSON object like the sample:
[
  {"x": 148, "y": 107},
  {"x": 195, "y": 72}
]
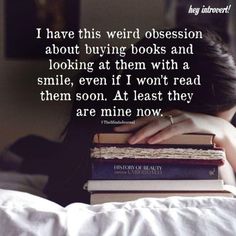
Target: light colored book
[
  {"x": 215, "y": 156},
  {"x": 154, "y": 185}
]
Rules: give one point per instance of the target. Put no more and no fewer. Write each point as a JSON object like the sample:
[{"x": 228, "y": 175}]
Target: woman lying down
[{"x": 211, "y": 110}]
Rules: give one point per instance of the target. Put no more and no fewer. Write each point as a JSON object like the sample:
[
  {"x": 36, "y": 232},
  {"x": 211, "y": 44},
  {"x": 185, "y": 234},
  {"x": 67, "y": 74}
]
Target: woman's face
[{"x": 228, "y": 114}]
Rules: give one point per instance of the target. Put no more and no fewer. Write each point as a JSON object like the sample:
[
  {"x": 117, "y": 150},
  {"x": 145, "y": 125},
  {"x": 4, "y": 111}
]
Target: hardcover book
[
  {"x": 154, "y": 185},
  {"x": 105, "y": 169},
  {"x": 153, "y": 153},
  {"x": 190, "y": 148},
  {"x": 187, "y": 139}
]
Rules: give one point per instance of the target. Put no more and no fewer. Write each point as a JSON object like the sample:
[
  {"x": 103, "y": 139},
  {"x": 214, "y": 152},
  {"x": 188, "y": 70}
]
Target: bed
[
  {"x": 24, "y": 210},
  {"x": 26, "y": 214}
]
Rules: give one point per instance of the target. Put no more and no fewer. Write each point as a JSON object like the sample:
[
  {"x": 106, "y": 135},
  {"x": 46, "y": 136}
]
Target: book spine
[
  {"x": 102, "y": 170},
  {"x": 158, "y": 146}
]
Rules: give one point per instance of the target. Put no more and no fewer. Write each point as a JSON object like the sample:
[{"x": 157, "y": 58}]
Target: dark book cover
[{"x": 150, "y": 170}]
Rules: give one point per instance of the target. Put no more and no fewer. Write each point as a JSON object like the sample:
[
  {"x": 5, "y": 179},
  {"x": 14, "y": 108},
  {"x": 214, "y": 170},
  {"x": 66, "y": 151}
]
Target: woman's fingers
[
  {"x": 153, "y": 127},
  {"x": 143, "y": 121},
  {"x": 156, "y": 129},
  {"x": 149, "y": 130},
  {"x": 184, "y": 126}
]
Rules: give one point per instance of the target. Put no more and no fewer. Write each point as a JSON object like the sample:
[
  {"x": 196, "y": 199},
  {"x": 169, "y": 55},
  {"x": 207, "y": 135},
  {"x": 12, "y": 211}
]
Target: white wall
[{"x": 21, "y": 111}]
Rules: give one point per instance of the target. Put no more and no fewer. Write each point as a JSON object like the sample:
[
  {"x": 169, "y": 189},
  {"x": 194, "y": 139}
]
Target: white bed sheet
[{"x": 25, "y": 214}]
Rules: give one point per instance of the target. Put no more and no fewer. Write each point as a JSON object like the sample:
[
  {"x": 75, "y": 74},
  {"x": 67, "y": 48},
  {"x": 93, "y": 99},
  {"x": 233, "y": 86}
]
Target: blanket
[{"x": 26, "y": 214}]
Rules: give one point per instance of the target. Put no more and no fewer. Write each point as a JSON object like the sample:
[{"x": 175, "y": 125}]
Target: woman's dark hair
[
  {"x": 214, "y": 62},
  {"x": 211, "y": 60}
]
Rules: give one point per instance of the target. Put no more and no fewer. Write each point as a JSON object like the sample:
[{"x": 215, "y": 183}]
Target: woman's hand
[{"x": 157, "y": 129}]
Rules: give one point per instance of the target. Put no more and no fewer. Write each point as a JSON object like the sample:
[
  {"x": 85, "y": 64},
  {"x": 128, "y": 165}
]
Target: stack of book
[{"x": 185, "y": 165}]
